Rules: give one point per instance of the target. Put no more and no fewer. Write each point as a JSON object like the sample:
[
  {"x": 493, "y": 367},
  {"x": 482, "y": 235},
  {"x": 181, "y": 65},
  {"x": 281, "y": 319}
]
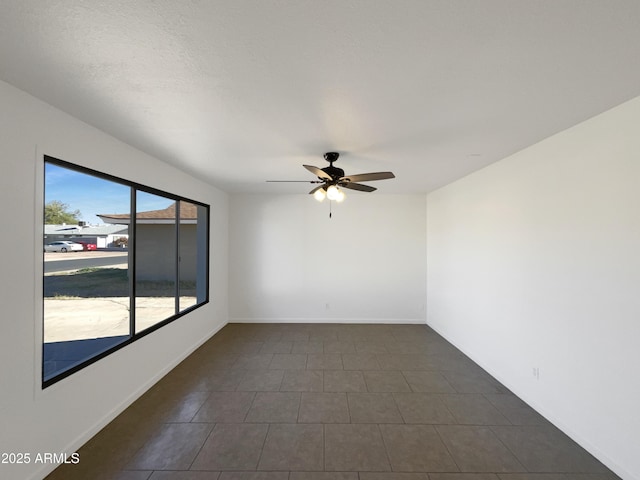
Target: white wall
[
  {"x": 65, "y": 415},
  {"x": 534, "y": 262},
  {"x": 292, "y": 263}
]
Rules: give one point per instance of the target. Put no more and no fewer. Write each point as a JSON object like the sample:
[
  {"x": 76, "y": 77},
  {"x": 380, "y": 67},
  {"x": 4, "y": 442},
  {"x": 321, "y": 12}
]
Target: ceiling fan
[{"x": 333, "y": 178}]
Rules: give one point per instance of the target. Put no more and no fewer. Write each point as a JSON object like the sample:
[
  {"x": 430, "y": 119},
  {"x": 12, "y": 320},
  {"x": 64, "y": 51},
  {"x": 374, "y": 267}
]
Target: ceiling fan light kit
[
  {"x": 334, "y": 193},
  {"x": 320, "y": 194},
  {"x": 333, "y": 180}
]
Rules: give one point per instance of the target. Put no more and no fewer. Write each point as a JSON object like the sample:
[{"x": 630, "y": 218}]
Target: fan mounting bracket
[{"x": 331, "y": 157}]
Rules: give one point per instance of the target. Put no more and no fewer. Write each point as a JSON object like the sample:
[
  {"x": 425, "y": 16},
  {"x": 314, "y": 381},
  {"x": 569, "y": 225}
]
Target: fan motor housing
[{"x": 334, "y": 172}]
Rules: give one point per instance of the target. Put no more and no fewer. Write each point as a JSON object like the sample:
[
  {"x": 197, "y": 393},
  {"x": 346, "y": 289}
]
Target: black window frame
[{"x": 133, "y": 336}]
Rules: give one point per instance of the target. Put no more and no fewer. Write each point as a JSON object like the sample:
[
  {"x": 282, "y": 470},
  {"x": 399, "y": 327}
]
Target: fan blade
[
  {"x": 316, "y": 189},
  {"x": 358, "y": 186},
  {"x": 317, "y": 172},
  {"x": 368, "y": 177},
  {"x": 293, "y": 181}
]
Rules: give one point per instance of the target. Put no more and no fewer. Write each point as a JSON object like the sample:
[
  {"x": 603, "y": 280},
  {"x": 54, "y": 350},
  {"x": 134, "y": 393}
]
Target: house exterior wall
[{"x": 151, "y": 242}]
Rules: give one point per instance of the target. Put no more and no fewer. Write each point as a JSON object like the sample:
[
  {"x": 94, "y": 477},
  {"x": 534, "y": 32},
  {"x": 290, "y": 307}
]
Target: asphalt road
[{"x": 62, "y": 262}]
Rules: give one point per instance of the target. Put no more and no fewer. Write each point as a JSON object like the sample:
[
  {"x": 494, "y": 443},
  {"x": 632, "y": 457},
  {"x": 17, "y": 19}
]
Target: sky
[{"x": 94, "y": 195}]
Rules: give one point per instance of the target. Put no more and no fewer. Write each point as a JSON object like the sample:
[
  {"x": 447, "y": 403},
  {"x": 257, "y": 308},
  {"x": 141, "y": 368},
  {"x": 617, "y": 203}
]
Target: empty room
[{"x": 320, "y": 240}]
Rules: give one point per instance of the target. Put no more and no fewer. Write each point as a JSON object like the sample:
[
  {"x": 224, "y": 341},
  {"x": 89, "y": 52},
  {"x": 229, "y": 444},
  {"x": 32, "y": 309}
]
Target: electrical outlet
[
  {"x": 326, "y": 306},
  {"x": 536, "y": 373}
]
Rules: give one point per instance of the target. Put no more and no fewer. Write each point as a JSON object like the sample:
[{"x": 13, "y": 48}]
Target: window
[{"x": 120, "y": 260}]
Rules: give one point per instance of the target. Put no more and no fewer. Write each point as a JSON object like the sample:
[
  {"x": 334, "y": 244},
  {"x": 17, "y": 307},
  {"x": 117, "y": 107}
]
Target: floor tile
[
  {"x": 171, "y": 407},
  {"x": 344, "y": 381},
  {"x": 423, "y": 408},
  {"x": 261, "y": 381},
  {"x": 232, "y": 447},
  {"x": 287, "y": 361},
  {"x": 427, "y": 382},
  {"x": 547, "y": 449},
  {"x": 323, "y": 476},
  {"x": 339, "y": 346},
  {"x": 293, "y": 447},
  {"x": 416, "y": 448},
  {"x": 352, "y": 447},
  {"x": 254, "y": 476},
  {"x": 327, "y": 336},
  {"x": 308, "y": 347},
  {"x": 403, "y": 347},
  {"x": 360, "y": 361},
  {"x": 142, "y": 475},
  {"x": 174, "y": 448},
  {"x": 225, "y": 381},
  {"x": 466, "y": 476},
  {"x": 185, "y": 475},
  {"x": 225, "y": 407},
  {"x": 477, "y": 449},
  {"x": 456, "y": 362},
  {"x": 535, "y": 476},
  {"x": 473, "y": 409},
  {"x": 468, "y": 383},
  {"x": 302, "y": 381},
  {"x": 588, "y": 476},
  {"x": 373, "y": 408},
  {"x": 324, "y": 361},
  {"x": 241, "y": 347},
  {"x": 388, "y": 381},
  {"x": 402, "y": 361},
  {"x": 324, "y": 408},
  {"x": 258, "y": 361},
  {"x": 369, "y": 347},
  {"x": 515, "y": 410},
  {"x": 393, "y": 476},
  {"x": 274, "y": 407},
  {"x": 276, "y": 347},
  {"x": 295, "y": 337}
]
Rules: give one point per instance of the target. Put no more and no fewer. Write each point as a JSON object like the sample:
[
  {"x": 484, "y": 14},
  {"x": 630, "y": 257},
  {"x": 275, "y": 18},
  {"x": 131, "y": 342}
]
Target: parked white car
[{"x": 63, "y": 246}]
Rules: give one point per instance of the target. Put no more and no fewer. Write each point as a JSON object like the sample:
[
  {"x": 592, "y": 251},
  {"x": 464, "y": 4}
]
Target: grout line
[
  {"x": 435, "y": 427},
  {"x": 386, "y": 450},
  {"x": 202, "y": 446},
  {"x": 253, "y": 399},
  {"x": 264, "y": 442},
  {"x": 200, "y": 408},
  {"x": 299, "y": 407},
  {"x": 507, "y": 447},
  {"x": 324, "y": 449}
]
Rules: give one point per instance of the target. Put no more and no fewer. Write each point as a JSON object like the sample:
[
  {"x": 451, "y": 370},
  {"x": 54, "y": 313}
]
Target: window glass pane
[
  {"x": 93, "y": 240},
  {"x": 86, "y": 267},
  {"x": 193, "y": 254},
  {"x": 156, "y": 259}
]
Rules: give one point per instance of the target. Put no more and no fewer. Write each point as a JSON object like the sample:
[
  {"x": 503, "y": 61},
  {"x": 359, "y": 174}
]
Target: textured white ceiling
[{"x": 239, "y": 92}]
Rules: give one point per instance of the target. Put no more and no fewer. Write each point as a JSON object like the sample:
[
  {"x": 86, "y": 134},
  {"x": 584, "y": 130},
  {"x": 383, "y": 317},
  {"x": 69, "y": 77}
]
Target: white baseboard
[{"x": 353, "y": 321}]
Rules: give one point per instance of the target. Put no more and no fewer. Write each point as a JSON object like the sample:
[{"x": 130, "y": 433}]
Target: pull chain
[{"x": 330, "y": 203}]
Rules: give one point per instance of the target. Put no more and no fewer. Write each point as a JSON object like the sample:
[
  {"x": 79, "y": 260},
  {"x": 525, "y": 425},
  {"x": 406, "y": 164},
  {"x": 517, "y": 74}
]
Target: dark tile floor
[{"x": 330, "y": 402}]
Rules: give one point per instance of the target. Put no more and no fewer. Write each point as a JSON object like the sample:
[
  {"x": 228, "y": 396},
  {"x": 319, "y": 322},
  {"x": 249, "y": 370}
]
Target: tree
[{"x": 57, "y": 213}]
